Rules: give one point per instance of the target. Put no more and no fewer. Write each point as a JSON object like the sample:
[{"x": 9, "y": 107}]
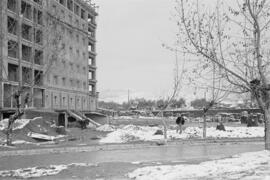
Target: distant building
[{"x": 48, "y": 47}]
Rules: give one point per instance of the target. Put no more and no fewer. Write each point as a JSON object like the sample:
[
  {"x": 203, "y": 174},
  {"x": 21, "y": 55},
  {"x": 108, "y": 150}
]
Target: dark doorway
[
  {"x": 6, "y": 115},
  {"x": 61, "y": 119}
]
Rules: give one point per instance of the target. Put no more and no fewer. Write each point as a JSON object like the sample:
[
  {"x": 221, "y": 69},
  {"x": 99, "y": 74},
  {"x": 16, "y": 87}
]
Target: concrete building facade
[{"x": 47, "y": 47}]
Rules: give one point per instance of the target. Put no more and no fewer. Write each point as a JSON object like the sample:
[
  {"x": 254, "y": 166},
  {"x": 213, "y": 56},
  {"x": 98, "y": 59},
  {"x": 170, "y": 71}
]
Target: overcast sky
[{"x": 130, "y": 34}]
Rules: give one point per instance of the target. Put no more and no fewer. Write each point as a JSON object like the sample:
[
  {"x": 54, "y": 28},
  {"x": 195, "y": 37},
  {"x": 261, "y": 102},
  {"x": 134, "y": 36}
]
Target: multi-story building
[{"x": 47, "y": 50}]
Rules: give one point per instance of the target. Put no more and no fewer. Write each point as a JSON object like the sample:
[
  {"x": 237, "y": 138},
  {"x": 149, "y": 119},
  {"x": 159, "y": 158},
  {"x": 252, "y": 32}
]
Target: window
[
  {"x": 91, "y": 19},
  {"x": 38, "y": 36},
  {"x": 38, "y": 96},
  {"x": 64, "y": 64},
  {"x": 26, "y": 32},
  {"x": 63, "y": 29},
  {"x": 71, "y": 83},
  {"x": 13, "y": 72},
  {"x": 77, "y": 37},
  {"x": 63, "y": 2},
  {"x": 70, "y": 50},
  {"x": 64, "y": 81},
  {"x": 38, "y": 58},
  {"x": 78, "y": 84},
  {"x": 91, "y": 47},
  {"x": 70, "y": 34},
  {"x": 12, "y": 5},
  {"x": 39, "y": 17},
  {"x": 70, "y": 19},
  {"x": 64, "y": 101},
  {"x": 26, "y": 53},
  {"x": 26, "y": 10},
  {"x": 83, "y": 26},
  {"x": 91, "y": 61},
  {"x": 78, "y": 68},
  {"x": 63, "y": 46},
  {"x": 91, "y": 88},
  {"x": 77, "y": 9},
  {"x": 38, "y": 2},
  {"x": 13, "y": 49},
  {"x": 77, "y": 23},
  {"x": 12, "y": 25},
  {"x": 71, "y": 66},
  {"x": 78, "y": 53},
  {"x": 38, "y": 77},
  {"x": 26, "y": 75},
  {"x": 70, "y": 5},
  {"x": 63, "y": 13},
  {"x": 82, "y": 14},
  {"x": 55, "y": 80}
]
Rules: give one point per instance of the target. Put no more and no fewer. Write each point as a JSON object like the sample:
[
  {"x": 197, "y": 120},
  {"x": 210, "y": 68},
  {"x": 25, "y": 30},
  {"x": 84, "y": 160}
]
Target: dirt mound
[{"x": 36, "y": 125}]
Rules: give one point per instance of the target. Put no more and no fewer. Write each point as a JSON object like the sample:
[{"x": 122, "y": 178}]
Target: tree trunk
[
  {"x": 204, "y": 125},
  {"x": 267, "y": 128}
]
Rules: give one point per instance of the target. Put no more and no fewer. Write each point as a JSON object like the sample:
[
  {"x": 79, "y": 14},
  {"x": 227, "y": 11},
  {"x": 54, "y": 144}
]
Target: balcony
[
  {"x": 92, "y": 81},
  {"x": 92, "y": 68},
  {"x": 91, "y": 38},
  {"x": 94, "y": 94},
  {"x": 92, "y": 54}
]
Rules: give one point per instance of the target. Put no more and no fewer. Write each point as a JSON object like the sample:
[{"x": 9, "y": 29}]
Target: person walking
[{"x": 180, "y": 121}]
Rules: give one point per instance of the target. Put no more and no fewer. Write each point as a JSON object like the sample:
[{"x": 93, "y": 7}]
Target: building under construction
[{"x": 47, "y": 52}]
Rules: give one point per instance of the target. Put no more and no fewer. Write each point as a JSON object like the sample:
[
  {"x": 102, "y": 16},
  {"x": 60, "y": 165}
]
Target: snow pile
[
  {"x": 124, "y": 117},
  {"x": 254, "y": 165},
  {"x": 149, "y": 117},
  {"x": 211, "y": 132},
  {"x": 131, "y": 133},
  {"x": 106, "y": 128},
  {"x": 144, "y": 133},
  {"x": 18, "y": 124},
  {"x": 236, "y": 132},
  {"x": 35, "y": 172}
]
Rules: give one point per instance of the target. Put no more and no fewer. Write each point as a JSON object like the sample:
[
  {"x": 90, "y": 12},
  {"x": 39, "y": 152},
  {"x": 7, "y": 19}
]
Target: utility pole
[{"x": 128, "y": 98}]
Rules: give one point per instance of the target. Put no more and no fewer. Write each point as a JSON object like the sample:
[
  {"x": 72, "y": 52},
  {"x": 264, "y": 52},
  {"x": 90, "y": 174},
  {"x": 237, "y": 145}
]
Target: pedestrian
[
  {"x": 220, "y": 126},
  {"x": 180, "y": 121},
  {"x": 26, "y": 100}
]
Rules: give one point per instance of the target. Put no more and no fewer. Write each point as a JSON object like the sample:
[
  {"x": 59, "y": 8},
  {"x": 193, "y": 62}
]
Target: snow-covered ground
[
  {"x": 131, "y": 133},
  {"x": 34, "y": 172},
  {"x": 247, "y": 166},
  {"x": 18, "y": 124}
]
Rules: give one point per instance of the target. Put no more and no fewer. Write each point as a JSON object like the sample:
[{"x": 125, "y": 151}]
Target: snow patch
[
  {"x": 131, "y": 133},
  {"x": 34, "y": 172},
  {"x": 18, "y": 124},
  {"x": 254, "y": 165},
  {"x": 106, "y": 128}
]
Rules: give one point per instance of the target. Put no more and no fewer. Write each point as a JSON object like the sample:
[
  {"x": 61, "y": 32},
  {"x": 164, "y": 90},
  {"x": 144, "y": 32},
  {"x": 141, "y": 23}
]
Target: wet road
[{"x": 181, "y": 153}]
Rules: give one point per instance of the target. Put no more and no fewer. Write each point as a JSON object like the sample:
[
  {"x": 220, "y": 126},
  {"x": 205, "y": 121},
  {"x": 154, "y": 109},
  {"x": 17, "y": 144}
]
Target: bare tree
[{"x": 236, "y": 39}]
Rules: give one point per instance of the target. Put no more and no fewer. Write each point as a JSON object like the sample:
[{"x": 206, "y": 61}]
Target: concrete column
[
  {"x": 66, "y": 120},
  {"x": 1, "y": 53}
]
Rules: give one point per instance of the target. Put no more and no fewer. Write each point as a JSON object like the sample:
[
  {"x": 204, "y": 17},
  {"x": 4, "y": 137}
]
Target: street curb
[{"x": 108, "y": 147}]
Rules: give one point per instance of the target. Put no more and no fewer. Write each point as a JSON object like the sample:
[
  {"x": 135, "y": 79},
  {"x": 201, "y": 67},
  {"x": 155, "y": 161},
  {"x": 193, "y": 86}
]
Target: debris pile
[{"x": 27, "y": 131}]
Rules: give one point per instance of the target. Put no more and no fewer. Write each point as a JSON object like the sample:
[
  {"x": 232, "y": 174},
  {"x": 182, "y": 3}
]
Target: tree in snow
[{"x": 234, "y": 39}]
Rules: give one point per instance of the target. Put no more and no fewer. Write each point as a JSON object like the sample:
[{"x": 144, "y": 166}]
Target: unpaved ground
[{"x": 85, "y": 137}]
